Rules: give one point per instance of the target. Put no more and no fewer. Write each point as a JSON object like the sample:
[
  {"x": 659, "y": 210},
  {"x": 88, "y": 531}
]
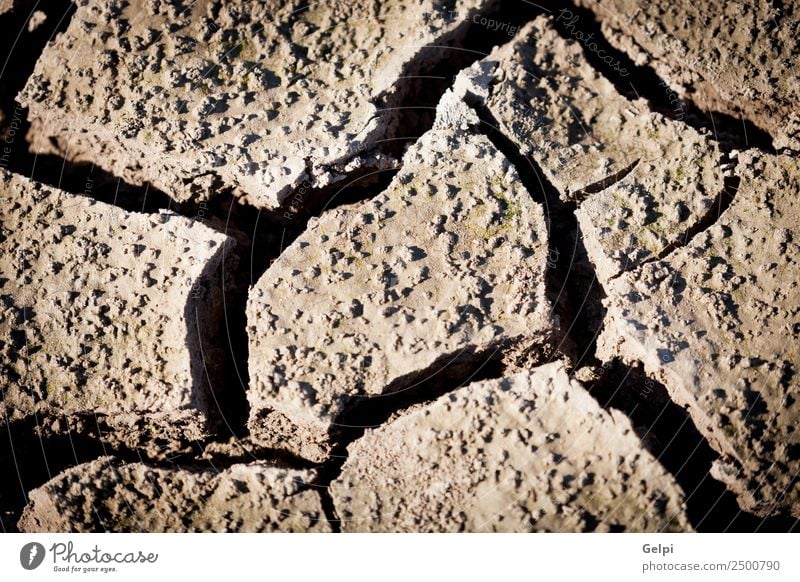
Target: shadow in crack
[
  {"x": 30, "y": 456},
  {"x": 642, "y": 81},
  {"x": 261, "y": 237},
  {"x": 210, "y": 346},
  {"x": 572, "y": 286},
  {"x": 669, "y": 433},
  {"x": 409, "y": 108},
  {"x": 418, "y": 389},
  {"x": 721, "y": 203},
  {"x": 20, "y": 48},
  {"x": 24, "y": 37}
]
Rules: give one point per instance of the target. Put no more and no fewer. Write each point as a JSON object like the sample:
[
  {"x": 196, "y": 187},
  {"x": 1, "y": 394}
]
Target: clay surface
[
  {"x": 249, "y": 97},
  {"x": 738, "y": 58},
  {"x": 399, "y": 265},
  {"x": 104, "y": 311},
  {"x": 531, "y": 452},
  {"x": 446, "y": 265},
  {"x": 641, "y": 180},
  {"x": 716, "y": 322},
  {"x": 108, "y": 495}
]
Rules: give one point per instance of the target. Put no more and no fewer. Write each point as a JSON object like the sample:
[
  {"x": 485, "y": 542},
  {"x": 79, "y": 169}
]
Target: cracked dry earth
[{"x": 476, "y": 265}]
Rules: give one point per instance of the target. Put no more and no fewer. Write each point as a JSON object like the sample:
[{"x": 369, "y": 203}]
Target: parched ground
[{"x": 476, "y": 265}]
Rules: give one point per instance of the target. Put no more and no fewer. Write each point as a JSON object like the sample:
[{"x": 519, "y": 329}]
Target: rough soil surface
[
  {"x": 531, "y": 452},
  {"x": 641, "y": 180},
  {"x": 103, "y": 312},
  {"x": 716, "y": 322},
  {"x": 107, "y": 495},
  {"x": 738, "y": 58},
  {"x": 446, "y": 264},
  {"x": 404, "y": 334},
  {"x": 252, "y": 97}
]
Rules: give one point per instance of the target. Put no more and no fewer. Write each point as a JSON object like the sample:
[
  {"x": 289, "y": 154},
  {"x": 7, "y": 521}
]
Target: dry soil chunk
[
  {"x": 739, "y": 58},
  {"x": 252, "y": 96},
  {"x": 9, "y": 5},
  {"x": 109, "y": 495},
  {"x": 641, "y": 180},
  {"x": 533, "y": 451},
  {"x": 103, "y": 311},
  {"x": 446, "y": 264},
  {"x": 35, "y": 17},
  {"x": 717, "y": 323}
]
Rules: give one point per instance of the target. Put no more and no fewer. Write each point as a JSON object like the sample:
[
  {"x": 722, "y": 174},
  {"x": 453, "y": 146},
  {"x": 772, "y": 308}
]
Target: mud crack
[
  {"x": 572, "y": 284},
  {"x": 641, "y": 81},
  {"x": 372, "y": 412},
  {"x": 715, "y": 210},
  {"x": 669, "y": 433}
]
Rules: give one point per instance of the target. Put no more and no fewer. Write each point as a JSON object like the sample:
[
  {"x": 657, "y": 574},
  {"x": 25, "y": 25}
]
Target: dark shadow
[
  {"x": 206, "y": 330},
  {"x": 642, "y": 81},
  {"x": 572, "y": 286},
  {"x": 31, "y": 455},
  {"x": 20, "y": 47},
  {"x": 409, "y": 108},
  {"x": 445, "y": 375},
  {"x": 669, "y": 433},
  {"x": 721, "y": 203}
]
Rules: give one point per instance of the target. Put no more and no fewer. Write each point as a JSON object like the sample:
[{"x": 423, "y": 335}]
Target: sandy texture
[
  {"x": 531, "y": 452},
  {"x": 113, "y": 496},
  {"x": 739, "y": 58},
  {"x": 255, "y": 97},
  {"x": 641, "y": 180},
  {"x": 717, "y": 323},
  {"x": 103, "y": 310},
  {"x": 447, "y": 265}
]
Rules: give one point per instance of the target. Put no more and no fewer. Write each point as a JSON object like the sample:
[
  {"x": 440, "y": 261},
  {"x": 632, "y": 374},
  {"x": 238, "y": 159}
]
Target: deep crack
[
  {"x": 669, "y": 433},
  {"x": 605, "y": 183},
  {"x": 643, "y": 82},
  {"x": 426, "y": 78},
  {"x": 22, "y": 50},
  {"x": 262, "y": 236},
  {"x": 31, "y": 454},
  {"x": 372, "y": 412},
  {"x": 716, "y": 209},
  {"x": 575, "y": 293}
]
